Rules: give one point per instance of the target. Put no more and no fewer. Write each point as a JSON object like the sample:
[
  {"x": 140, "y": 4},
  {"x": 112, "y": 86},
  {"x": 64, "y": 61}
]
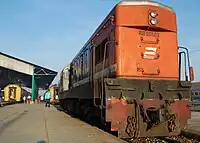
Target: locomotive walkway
[{"x": 26, "y": 123}]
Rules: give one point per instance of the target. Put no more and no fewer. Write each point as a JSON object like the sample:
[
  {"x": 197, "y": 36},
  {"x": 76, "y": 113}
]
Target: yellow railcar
[
  {"x": 54, "y": 94},
  {"x": 13, "y": 92}
]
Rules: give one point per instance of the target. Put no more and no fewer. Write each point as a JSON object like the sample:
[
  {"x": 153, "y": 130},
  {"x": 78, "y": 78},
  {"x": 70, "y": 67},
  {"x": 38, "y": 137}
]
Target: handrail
[
  {"x": 104, "y": 58},
  {"x": 188, "y": 58},
  {"x": 186, "y": 76},
  {"x": 93, "y": 70}
]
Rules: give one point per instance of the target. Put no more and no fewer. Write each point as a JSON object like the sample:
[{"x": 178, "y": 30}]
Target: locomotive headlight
[
  {"x": 153, "y": 21},
  {"x": 153, "y": 14}
]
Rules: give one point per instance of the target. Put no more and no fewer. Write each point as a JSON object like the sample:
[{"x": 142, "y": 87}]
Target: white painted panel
[
  {"x": 15, "y": 65},
  {"x": 65, "y": 78}
]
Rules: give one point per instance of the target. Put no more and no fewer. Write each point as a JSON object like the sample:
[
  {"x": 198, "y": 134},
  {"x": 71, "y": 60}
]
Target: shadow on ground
[
  {"x": 62, "y": 110},
  {"x": 42, "y": 141},
  {"x": 11, "y": 120},
  {"x": 81, "y": 118}
]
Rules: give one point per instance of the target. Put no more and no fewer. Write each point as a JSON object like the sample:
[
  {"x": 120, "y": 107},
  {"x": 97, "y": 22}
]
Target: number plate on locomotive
[{"x": 149, "y": 33}]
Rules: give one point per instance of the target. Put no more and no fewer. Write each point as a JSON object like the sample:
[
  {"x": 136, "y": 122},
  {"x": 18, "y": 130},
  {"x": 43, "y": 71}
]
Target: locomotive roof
[
  {"x": 126, "y": 2},
  {"x": 144, "y": 2},
  {"x": 67, "y": 67}
]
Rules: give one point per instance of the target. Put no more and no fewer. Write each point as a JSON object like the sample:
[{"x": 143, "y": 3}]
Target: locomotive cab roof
[{"x": 144, "y": 2}]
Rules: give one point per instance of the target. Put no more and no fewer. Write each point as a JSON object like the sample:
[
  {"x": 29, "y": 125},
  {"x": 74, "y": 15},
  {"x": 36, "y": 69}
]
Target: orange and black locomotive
[{"x": 128, "y": 74}]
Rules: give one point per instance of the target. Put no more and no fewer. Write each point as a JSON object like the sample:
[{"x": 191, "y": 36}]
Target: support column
[
  {"x": 33, "y": 87},
  {"x": 36, "y": 91}
]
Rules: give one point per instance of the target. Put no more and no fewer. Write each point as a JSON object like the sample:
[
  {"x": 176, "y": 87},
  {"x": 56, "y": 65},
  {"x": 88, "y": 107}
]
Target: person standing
[
  {"x": 24, "y": 98},
  {"x": 1, "y": 105},
  {"x": 28, "y": 99},
  {"x": 47, "y": 97},
  {"x": 39, "y": 97}
]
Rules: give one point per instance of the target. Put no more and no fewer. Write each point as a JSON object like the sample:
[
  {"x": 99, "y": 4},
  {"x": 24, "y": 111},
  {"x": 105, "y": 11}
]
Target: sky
[{"x": 49, "y": 33}]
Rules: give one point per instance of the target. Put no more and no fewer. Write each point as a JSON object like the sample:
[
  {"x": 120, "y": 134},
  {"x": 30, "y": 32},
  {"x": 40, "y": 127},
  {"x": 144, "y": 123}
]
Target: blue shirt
[{"x": 47, "y": 95}]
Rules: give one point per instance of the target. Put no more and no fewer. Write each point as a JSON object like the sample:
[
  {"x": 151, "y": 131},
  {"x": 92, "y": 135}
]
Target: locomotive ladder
[
  {"x": 102, "y": 73},
  {"x": 101, "y": 106}
]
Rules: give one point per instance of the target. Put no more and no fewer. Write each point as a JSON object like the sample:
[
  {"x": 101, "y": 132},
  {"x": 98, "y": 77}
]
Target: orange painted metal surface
[
  {"x": 144, "y": 50},
  {"x": 181, "y": 107},
  {"x": 116, "y": 112}
]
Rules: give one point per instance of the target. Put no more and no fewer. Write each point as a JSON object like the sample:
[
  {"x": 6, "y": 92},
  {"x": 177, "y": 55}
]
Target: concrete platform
[
  {"x": 193, "y": 128},
  {"x": 25, "y": 123},
  {"x": 194, "y": 122}
]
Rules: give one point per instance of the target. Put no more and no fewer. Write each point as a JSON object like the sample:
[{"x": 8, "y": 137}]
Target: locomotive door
[
  {"x": 12, "y": 93},
  {"x": 96, "y": 86}
]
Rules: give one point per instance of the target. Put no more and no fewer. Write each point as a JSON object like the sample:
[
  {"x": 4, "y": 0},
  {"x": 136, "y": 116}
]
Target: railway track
[
  {"x": 6, "y": 104},
  {"x": 174, "y": 139},
  {"x": 180, "y": 139}
]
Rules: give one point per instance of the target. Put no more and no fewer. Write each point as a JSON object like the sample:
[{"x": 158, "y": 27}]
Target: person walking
[{"x": 47, "y": 97}]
